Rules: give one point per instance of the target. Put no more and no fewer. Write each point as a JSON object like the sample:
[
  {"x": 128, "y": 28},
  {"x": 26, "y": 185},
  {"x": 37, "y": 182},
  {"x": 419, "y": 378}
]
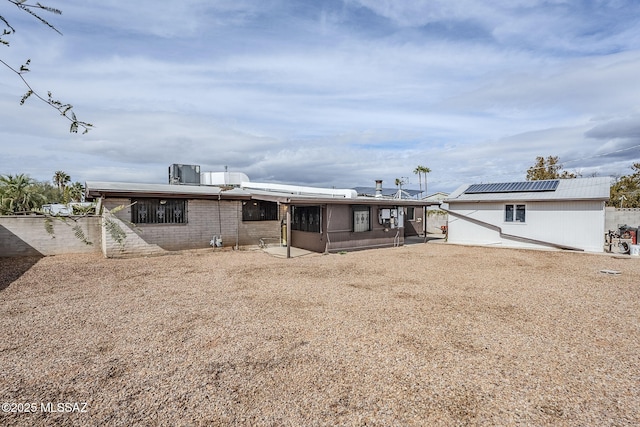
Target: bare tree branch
[{"x": 65, "y": 110}]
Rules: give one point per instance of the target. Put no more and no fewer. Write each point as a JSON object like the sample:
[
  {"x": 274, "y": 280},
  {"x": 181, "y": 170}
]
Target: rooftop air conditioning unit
[{"x": 184, "y": 174}]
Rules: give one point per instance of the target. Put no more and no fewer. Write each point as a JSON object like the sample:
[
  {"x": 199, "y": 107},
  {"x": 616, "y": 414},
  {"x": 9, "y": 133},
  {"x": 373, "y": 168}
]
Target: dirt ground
[{"x": 428, "y": 334}]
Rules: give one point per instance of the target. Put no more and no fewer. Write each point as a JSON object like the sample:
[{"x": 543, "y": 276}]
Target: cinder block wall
[
  {"x": 119, "y": 240},
  {"x": 616, "y": 216},
  {"x": 250, "y": 232},
  {"x": 435, "y": 220},
  {"x": 205, "y": 219},
  {"x": 28, "y": 235}
]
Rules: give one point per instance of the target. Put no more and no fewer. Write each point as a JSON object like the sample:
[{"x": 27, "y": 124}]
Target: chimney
[{"x": 378, "y": 188}]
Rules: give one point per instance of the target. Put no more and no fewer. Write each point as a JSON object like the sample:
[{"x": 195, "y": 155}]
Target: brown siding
[
  {"x": 308, "y": 240},
  {"x": 337, "y": 234}
]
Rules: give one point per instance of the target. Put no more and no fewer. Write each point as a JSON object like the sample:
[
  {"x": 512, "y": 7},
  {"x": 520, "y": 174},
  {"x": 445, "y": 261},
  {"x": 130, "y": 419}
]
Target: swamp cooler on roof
[{"x": 184, "y": 174}]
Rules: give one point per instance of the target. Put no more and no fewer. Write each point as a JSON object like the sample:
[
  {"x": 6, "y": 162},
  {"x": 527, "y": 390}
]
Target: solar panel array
[{"x": 514, "y": 187}]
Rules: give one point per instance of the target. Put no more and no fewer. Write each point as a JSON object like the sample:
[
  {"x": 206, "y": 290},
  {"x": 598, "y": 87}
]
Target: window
[
  {"x": 361, "y": 218},
  {"x": 255, "y": 210},
  {"x": 411, "y": 214},
  {"x": 305, "y": 218},
  {"x": 514, "y": 213},
  {"x": 159, "y": 211}
]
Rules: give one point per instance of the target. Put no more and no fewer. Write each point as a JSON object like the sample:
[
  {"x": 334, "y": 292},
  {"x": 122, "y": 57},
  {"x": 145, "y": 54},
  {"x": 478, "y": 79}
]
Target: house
[
  {"x": 414, "y": 224},
  {"x": 319, "y": 221},
  {"x": 144, "y": 219},
  {"x": 560, "y": 213}
]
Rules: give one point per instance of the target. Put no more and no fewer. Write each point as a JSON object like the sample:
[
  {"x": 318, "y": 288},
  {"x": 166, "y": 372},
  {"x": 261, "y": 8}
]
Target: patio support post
[
  {"x": 288, "y": 231},
  {"x": 424, "y": 223}
]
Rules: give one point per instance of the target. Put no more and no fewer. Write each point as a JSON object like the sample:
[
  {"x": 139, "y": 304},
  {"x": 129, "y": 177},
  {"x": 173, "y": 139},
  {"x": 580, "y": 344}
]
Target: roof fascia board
[{"x": 497, "y": 199}]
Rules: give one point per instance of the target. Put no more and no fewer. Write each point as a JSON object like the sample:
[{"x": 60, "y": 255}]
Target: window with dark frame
[
  {"x": 159, "y": 211},
  {"x": 514, "y": 213},
  {"x": 306, "y": 218},
  {"x": 411, "y": 214},
  {"x": 257, "y": 210},
  {"x": 361, "y": 218}
]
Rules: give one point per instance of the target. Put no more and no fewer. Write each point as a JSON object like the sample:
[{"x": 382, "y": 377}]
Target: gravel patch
[{"x": 419, "y": 335}]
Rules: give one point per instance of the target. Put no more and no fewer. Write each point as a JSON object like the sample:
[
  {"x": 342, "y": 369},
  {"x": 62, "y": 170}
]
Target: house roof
[
  {"x": 126, "y": 189},
  {"x": 567, "y": 189},
  {"x": 439, "y": 196},
  {"x": 129, "y": 189},
  {"x": 312, "y": 200},
  {"x": 388, "y": 192}
]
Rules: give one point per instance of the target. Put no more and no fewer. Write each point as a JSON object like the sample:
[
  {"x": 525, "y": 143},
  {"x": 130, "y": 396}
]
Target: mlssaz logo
[{"x": 68, "y": 407}]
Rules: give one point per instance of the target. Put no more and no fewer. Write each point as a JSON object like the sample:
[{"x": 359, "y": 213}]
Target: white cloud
[{"x": 327, "y": 93}]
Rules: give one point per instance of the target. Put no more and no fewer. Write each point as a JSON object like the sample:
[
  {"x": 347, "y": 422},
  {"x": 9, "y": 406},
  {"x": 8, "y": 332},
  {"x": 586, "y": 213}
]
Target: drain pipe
[
  {"x": 216, "y": 242},
  {"x": 510, "y": 236}
]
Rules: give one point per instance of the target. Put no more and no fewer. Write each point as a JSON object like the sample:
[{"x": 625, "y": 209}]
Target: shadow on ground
[{"x": 11, "y": 268}]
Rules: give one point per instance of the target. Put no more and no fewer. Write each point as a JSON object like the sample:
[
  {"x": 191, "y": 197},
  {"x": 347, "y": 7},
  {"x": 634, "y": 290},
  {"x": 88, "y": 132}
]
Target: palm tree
[
  {"x": 18, "y": 194},
  {"x": 61, "y": 179},
  {"x": 419, "y": 170},
  {"x": 74, "y": 192}
]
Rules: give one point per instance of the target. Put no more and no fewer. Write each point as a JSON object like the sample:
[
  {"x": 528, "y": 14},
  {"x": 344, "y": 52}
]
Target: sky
[{"x": 329, "y": 93}]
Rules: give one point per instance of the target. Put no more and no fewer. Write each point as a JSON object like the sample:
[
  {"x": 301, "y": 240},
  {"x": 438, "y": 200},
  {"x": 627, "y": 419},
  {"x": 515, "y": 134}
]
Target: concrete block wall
[
  {"x": 209, "y": 218},
  {"x": 205, "y": 219},
  {"x": 252, "y": 231},
  {"x": 28, "y": 235},
  {"x": 616, "y": 216},
  {"x": 436, "y": 219},
  {"x": 131, "y": 243}
]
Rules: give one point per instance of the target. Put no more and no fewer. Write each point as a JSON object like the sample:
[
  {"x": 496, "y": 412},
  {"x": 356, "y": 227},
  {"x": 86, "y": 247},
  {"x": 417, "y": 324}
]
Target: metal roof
[
  {"x": 98, "y": 188},
  {"x": 387, "y": 192},
  {"x": 288, "y": 198},
  {"x": 126, "y": 189},
  {"x": 567, "y": 189}
]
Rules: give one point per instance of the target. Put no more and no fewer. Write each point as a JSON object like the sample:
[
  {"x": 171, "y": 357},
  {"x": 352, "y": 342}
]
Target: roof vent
[{"x": 378, "y": 188}]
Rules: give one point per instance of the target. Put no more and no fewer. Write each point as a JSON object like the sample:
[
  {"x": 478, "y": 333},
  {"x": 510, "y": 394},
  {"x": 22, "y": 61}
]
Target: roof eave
[{"x": 568, "y": 199}]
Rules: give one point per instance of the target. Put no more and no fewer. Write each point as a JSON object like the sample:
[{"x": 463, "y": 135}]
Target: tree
[
  {"x": 18, "y": 194},
  {"x": 548, "y": 168},
  {"x": 625, "y": 192},
  {"x": 419, "y": 170},
  {"x": 66, "y": 110},
  {"x": 50, "y": 193},
  {"x": 61, "y": 179},
  {"x": 74, "y": 192}
]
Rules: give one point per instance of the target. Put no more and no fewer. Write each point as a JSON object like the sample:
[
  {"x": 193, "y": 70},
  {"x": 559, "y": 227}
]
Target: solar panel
[{"x": 514, "y": 187}]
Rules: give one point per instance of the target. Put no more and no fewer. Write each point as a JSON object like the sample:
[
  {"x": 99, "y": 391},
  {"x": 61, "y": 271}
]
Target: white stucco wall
[{"x": 578, "y": 224}]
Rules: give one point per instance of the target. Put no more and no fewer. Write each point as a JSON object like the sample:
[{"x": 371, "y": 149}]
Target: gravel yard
[{"x": 420, "y": 335}]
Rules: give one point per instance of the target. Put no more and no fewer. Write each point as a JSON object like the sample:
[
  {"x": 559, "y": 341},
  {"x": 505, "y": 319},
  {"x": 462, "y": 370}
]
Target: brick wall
[
  {"x": 38, "y": 235},
  {"x": 205, "y": 219}
]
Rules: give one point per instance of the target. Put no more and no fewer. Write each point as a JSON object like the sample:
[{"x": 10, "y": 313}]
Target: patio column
[{"x": 288, "y": 230}]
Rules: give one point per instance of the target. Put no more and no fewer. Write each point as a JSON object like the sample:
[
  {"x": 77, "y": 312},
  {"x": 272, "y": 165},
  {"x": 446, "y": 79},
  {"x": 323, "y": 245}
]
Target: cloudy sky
[{"x": 325, "y": 92}]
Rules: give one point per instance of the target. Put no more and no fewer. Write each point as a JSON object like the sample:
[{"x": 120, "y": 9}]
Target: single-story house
[
  {"x": 414, "y": 224},
  {"x": 142, "y": 219},
  {"x": 558, "y": 213}
]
